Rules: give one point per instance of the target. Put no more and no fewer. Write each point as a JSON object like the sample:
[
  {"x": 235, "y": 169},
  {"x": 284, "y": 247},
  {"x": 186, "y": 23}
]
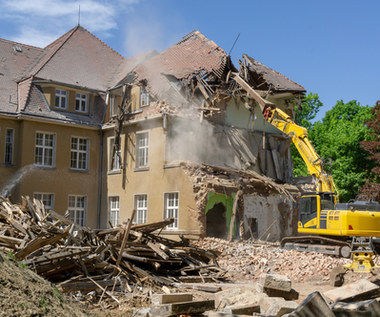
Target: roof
[
  {"x": 14, "y": 60},
  {"x": 79, "y": 58},
  {"x": 193, "y": 54},
  {"x": 269, "y": 79}
]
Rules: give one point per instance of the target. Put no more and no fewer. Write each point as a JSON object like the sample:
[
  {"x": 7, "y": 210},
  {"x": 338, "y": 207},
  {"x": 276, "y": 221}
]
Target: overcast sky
[{"x": 329, "y": 47}]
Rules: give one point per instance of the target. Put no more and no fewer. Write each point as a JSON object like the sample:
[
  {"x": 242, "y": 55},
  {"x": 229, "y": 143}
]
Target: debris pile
[
  {"x": 122, "y": 260},
  {"x": 249, "y": 259}
]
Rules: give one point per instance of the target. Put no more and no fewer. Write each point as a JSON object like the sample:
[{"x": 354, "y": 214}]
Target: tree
[
  {"x": 338, "y": 137},
  {"x": 371, "y": 188}
]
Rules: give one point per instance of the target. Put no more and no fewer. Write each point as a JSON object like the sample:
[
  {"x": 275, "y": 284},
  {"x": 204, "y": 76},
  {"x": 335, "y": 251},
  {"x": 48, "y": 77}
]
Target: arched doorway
[{"x": 216, "y": 222}]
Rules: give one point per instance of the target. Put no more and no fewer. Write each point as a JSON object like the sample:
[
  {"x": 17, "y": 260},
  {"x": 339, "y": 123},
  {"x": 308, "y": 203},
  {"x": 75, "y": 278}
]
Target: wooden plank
[
  {"x": 156, "y": 248},
  {"x": 234, "y": 210},
  {"x": 126, "y": 234},
  {"x": 39, "y": 243}
]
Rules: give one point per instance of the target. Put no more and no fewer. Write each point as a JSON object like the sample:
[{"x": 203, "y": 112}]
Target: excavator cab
[{"x": 313, "y": 209}]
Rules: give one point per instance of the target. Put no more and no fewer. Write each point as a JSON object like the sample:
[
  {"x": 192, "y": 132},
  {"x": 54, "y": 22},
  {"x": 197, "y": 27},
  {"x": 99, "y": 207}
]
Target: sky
[{"x": 331, "y": 48}]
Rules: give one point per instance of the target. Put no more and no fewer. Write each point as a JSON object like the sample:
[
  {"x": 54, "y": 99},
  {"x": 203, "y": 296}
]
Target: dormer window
[
  {"x": 61, "y": 98},
  {"x": 144, "y": 97},
  {"x": 81, "y": 102}
]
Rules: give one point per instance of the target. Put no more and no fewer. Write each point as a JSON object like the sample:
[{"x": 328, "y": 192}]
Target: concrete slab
[
  {"x": 158, "y": 299},
  {"x": 194, "y": 307},
  {"x": 313, "y": 306},
  {"x": 368, "y": 308}
]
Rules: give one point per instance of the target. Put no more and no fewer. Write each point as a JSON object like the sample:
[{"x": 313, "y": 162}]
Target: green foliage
[
  {"x": 58, "y": 294},
  {"x": 11, "y": 256},
  {"x": 338, "y": 137},
  {"x": 43, "y": 302},
  {"x": 22, "y": 265}
]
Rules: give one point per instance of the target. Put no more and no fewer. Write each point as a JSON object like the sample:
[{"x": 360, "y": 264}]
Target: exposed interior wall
[{"x": 273, "y": 216}]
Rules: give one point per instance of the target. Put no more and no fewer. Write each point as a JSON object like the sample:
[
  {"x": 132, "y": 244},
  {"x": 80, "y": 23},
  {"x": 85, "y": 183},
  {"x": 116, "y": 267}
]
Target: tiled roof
[
  {"x": 272, "y": 79},
  {"x": 190, "y": 56},
  {"x": 79, "y": 58},
  {"x": 14, "y": 60}
]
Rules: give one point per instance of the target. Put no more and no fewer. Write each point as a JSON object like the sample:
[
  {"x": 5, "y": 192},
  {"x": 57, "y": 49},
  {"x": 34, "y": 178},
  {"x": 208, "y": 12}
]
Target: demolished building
[{"x": 172, "y": 134}]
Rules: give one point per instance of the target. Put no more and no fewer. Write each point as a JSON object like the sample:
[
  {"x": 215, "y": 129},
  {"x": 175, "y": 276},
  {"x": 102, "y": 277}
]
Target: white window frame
[
  {"x": 113, "y": 111},
  {"x": 9, "y": 146},
  {"x": 142, "y": 149},
  {"x": 173, "y": 210},
  {"x": 114, "y": 210},
  {"x": 141, "y": 207},
  {"x": 81, "y": 102},
  {"x": 45, "y": 149},
  {"x": 76, "y": 209},
  {"x": 62, "y": 96},
  {"x": 46, "y": 198},
  {"x": 77, "y": 153},
  {"x": 144, "y": 97},
  {"x": 116, "y": 164}
]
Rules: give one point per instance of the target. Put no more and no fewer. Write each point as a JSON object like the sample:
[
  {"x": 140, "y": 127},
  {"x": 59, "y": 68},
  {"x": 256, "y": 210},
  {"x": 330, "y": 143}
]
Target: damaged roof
[
  {"x": 193, "y": 54},
  {"x": 265, "y": 78}
]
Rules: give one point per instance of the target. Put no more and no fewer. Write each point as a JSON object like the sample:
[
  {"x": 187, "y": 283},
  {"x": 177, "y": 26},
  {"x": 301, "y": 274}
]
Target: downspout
[{"x": 100, "y": 182}]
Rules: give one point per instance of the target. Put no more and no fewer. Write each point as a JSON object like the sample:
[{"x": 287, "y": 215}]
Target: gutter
[{"x": 100, "y": 187}]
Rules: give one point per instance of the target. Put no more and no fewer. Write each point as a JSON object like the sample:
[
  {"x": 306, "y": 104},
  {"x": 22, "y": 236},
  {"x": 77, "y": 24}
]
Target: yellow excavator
[{"x": 324, "y": 224}]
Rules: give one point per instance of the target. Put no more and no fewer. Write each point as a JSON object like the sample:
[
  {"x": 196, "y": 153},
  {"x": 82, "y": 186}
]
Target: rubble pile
[
  {"x": 124, "y": 260},
  {"x": 248, "y": 260}
]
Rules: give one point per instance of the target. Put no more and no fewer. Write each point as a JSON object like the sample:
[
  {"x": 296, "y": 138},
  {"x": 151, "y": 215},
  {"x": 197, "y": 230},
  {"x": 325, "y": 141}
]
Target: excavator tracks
[{"x": 317, "y": 244}]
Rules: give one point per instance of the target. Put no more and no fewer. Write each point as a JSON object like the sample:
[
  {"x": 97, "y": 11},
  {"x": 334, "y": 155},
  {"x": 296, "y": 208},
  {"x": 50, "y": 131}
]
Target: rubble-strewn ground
[{"x": 247, "y": 260}]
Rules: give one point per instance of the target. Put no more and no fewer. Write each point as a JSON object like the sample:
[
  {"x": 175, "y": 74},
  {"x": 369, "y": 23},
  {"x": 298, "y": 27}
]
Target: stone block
[
  {"x": 247, "y": 309},
  {"x": 314, "y": 305},
  {"x": 185, "y": 308},
  {"x": 220, "y": 314},
  {"x": 287, "y": 295},
  {"x": 238, "y": 296},
  {"x": 367, "y": 308},
  {"x": 360, "y": 290},
  {"x": 158, "y": 299},
  {"x": 281, "y": 308},
  {"x": 266, "y": 302},
  {"x": 275, "y": 281}
]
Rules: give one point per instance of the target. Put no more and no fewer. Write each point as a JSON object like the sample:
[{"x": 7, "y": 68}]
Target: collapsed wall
[{"x": 242, "y": 204}]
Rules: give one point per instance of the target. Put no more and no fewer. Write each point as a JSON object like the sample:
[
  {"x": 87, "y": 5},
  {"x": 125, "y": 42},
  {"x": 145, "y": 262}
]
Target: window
[
  {"x": 46, "y": 198},
  {"x": 144, "y": 97},
  {"x": 141, "y": 206},
  {"x": 81, "y": 102},
  {"x": 79, "y": 153},
  {"x": 77, "y": 209},
  {"x": 61, "y": 98},
  {"x": 115, "y": 164},
  {"x": 171, "y": 209},
  {"x": 44, "y": 151},
  {"x": 113, "y": 109},
  {"x": 9, "y": 139},
  {"x": 142, "y": 146},
  {"x": 114, "y": 211}
]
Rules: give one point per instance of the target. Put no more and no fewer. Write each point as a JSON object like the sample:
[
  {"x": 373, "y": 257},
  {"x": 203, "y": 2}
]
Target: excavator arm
[{"x": 283, "y": 122}]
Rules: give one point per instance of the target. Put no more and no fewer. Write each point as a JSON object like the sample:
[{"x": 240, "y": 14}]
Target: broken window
[
  {"x": 142, "y": 148},
  {"x": 61, "y": 98},
  {"x": 114, "y": 163},
  {"x": 46, "y": 198},
  {"x": 79, "y": 153},
  {"x": 81, "y": 102},
  {"x": 114, "y": 211},
  {"x": 9, "y": 139},
  {"x": 77, "y": 209},
  {"x": 144, "y": 97},
  {"x": 171, "y": 208},
  {"x": 44, "y": 150},
  {"x": 141, "y": 206}
]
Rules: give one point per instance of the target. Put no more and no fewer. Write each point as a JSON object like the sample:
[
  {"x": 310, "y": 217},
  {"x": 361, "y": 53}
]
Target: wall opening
[{"x": 216, "y": 222}]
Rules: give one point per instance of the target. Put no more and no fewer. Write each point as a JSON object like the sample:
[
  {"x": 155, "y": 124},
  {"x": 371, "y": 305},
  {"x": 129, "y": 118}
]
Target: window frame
[
  {"x": 9, "y": 147},
  {"x": 78, "y": 151},
  {"x": 116, "y": 167},
  {"x": 81, "y": 98},
  {"x": 175, "y": 224},
  {"x": 144, "y": 96},
  {"x": 141, "y": 211},
  {"x": 42, "y": 194},
  {"x": 77, "y": 210},
  {"x": 114, "y": 211},
  {"x": 61, "y": 94},
  {"x": 144, "y": 148},
  {"x": 44, "y": 149}
]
